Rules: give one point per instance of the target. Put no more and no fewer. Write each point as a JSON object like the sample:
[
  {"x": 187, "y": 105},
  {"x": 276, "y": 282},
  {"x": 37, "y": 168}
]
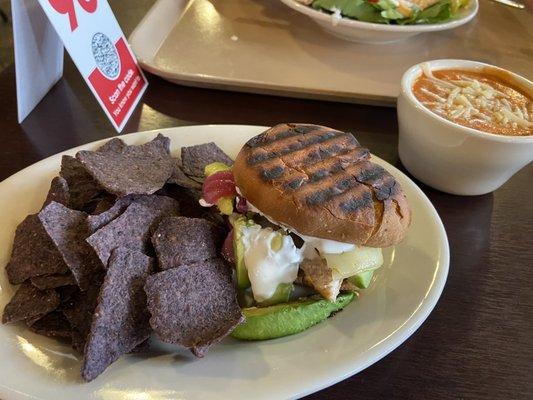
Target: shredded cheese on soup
[{"x": 480, "y": 100}]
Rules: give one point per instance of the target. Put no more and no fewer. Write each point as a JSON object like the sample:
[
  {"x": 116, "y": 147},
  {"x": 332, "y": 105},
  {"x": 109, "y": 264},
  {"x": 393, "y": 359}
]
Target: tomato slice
[{"x": 220, "y": 184}]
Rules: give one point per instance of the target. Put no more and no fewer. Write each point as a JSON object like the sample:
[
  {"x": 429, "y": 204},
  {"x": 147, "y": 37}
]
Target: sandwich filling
[
  {"x": 270, "y": 258},
  {"x": 333, "y": 261}
]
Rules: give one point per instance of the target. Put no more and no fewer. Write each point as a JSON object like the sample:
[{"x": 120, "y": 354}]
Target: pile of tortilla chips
[{"x": 121, "y": 249}]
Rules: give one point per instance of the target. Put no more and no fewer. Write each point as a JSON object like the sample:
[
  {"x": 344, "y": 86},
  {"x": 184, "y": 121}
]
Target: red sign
[
  {"x": 67, "y": 7},
  {"x": 118, "y": 95},
  {"x": 97, "y": 46}
]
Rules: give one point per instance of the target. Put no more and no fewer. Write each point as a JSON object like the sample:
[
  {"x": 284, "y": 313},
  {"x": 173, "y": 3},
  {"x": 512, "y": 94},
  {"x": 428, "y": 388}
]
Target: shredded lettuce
[
  {"x": 389, "y": 9},
  {"x": 438, "y": 12},
  {"x": 457, "y": 4},
  {"x": 361, "y": 10},
  {"x": 386, "y": 11}
]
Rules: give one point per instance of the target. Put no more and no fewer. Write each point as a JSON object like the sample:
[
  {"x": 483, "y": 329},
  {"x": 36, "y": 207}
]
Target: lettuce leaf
[
  {"x": 390, "y": 10},
  {"x": 356, "y": 9},
  {"x": 438, "y": 12}
]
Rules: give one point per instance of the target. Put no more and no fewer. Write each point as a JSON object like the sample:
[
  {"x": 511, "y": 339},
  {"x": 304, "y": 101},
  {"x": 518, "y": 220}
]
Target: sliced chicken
[
  {"x": 348, "y": 286},
  {"x": 320, "y": 277}
]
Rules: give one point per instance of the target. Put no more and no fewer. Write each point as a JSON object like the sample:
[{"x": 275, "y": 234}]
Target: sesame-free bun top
[{"x": 320, "y": 182}]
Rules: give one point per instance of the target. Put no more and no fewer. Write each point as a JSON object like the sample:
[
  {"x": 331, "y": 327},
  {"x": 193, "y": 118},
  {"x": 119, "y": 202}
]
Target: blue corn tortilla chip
[
  {"x": 29, "y": 302},
  {"x": 121, "y": 318},
  {"x": 195, "y": 158},
  {"x": 34, "y": 253},
  {"x": 127, "y": 170},
  {"x": 81, "y": 185},
  {"x": 162, "y": 203},
  {"x": 102, "y": 202},
  {"x": 44, "y": 282},
  {"x": 97, "y": 221},
  {"x": 132, "y": 229},
  {"x": 59, "y": 192},
  {"x": 53, "y": 324},
  {"x": 66, "y": 293},
  {"x": 141, "y": 348},
  {"x": 179, "y": 178},
  {"x": 68, "y": 230},
  {"x": 112, "y": 145},
  {"x": 182, "y": 240},
  {"x": 78, "y": 308},
  {"x": 194, "y": 305},
  {"x": 189, "y": 205},
  {"x": 103, "y": 205}
]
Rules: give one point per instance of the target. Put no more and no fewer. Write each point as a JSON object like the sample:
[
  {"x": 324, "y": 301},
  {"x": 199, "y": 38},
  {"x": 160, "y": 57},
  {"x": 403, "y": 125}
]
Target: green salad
[{"x": 400, "y": 12}]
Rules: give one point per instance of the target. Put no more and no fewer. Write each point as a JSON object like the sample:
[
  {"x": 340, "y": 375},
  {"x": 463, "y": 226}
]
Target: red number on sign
[
  {"x": 67, "y": 7},
  {"x": 88, "y": 5}
]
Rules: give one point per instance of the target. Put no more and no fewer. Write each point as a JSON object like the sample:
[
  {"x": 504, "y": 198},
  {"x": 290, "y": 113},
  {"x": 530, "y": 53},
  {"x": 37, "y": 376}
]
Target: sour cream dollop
[
  {"x": 267, "y": 266},
  {"x": 323, "y": 246}
]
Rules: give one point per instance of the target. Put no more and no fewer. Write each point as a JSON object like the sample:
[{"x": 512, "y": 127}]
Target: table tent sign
[{"x": 91, "y": 34}]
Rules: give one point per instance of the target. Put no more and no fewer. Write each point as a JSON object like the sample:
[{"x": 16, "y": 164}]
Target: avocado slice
[
  {"x": 362, "y": 279},
  {"x": 225, "y": 205},
  {"x": 287, "y": 318},
  {"x": 243, "y": 281},
  {"x": 281, "y": 295},
  {"x": 215, "y": 167}
]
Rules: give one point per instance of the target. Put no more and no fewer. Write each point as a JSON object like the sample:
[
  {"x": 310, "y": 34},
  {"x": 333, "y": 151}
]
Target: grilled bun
[{"x": 321, "y": 182}]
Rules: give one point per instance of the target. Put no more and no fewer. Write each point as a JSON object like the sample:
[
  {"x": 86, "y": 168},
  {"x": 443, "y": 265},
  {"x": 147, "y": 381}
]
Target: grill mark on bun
[
  {"x": 320, "y": 174},
  {"x": 284, "y": 132},
  {"x": 282, "y": 135},
  {"x": 308, "y": 159},
  {"x": 272, "y": 173},
  {"x": 382, "y": 182},
  {"x": 336, "y": 163},
  {"x": 299, "y": 172},
  {"x": 326, "y": 188},
  {"x": 294, "y": 183},
  {"x": 371, "y": 174},
  {"x": 258, "y": 158},
  {"x": 271, "y": 148},
  {"x": 329, "y": 151},
  {"x": 320, "y": 165},
  {"x": 304, "y": 128},
  {"x": 387, "y": 190},
  {"x": 319, "y": 197},
  {"x": 255, "y": 141},
  {"x": 324, "y": 195},
  {"x": 355, "y": 204}
]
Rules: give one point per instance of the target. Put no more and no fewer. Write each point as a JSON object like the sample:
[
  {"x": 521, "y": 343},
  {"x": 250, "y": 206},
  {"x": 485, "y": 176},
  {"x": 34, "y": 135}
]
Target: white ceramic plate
[
  {"x": 367, "y": 32},
  {"x": 403, "y": 294}
]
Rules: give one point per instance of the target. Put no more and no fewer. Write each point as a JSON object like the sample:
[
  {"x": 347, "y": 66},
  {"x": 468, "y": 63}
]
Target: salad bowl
[{"x": 385, "y": 32}]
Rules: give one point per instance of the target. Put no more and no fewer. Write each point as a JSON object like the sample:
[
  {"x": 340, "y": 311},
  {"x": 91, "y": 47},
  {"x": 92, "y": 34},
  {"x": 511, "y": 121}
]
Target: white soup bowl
[{"x": 451, "y": 157}]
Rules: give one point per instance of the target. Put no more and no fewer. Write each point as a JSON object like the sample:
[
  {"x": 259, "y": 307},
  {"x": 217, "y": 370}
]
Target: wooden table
[{"x": 477, "y": 343}]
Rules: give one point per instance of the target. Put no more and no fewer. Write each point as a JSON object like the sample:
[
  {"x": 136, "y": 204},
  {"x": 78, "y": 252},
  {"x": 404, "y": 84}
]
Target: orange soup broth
[{"x": 426, "y": 89}]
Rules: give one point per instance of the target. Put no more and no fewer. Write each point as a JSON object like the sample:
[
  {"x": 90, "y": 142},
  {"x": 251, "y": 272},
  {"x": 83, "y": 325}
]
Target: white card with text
[{"x": 96, "y": 44}]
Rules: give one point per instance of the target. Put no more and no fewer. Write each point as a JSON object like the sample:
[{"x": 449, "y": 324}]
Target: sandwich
[{"x": 308, "y": 208}]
